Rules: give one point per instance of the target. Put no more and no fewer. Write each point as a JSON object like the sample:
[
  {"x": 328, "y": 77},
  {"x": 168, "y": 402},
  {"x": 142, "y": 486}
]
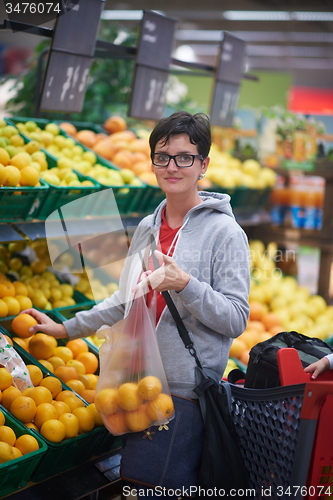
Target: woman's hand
[
  {"x": 167, "y": 277},
  {"x": 318, "y": 367},
  {"x": 46, "y": 325}
]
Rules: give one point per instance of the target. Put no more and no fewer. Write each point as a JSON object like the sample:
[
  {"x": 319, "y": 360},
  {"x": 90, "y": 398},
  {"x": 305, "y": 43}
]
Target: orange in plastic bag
[
  {"x": 13, "y": 362},
  {"x": 132, "y": 393}
]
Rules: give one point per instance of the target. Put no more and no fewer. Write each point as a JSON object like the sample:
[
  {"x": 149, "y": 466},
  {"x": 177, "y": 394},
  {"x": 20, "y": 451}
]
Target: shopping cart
[{"x": 285, "y": 434}]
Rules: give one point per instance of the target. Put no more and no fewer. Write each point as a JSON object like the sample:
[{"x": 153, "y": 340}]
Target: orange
[
  {"x": 275, "y": 329},
  {"x": 20, "y": 160},
  {"x": 76, "y": 386},
  {"x": 3, "y": 309},
  {"x": 21, "y": 342},
  {"x": 6, "y": 453},
  {"x": 244, "y": 357},
  {"x": 64, "y": 353},
  {"x": 47, "y": 365},
  {"x": 89, "y": 395},
  {"x": 85, "y": 418},
  {"x": 25, "y": 302},
  {"x": 36, "y": 374},
  {"x": 265, "y": 336},
  {"x": 20, "y": 288},
  {"x": 250, "y": 337},
  {"x": 71, "y": 423},
  {"x": 53, "y": 430},
  {"x": 106, "y": 401},
  {"x": 17, "y": 452},
  {"x": 63, "y": 395},
  {"x": 41, "y": 395},
  {"x": 87, "y": 137},
  {"x": 236, "y": 348},
  {"x": 66, "y": 373},
  {"x": 73, "y": 402},
  {"x": 2, "y": 418},
  {"x": 55, "y": 361},
  {"x": 138, "y": 420},
  {"x": 44, "y": 412},
  {"x": 115, "y": 124},
  {"x": 85, "y": 380},
  {"x": 29, "y": 176},
  {"x": 128, "y": 396},
  {"x": 89, "y": 360},
  {"x": 257, "y": 310},
  {"x": 122, "y": 159},
  {"x": 77, "y": 346},
  {"x": 7, "y": 435},
  {"x": 27, "y": 391},
  {"x": 160, "y": 408},
  {"x": 23, "y": 408},
  {"x": 9, "y": 340},
  {"x": 42, "y": 346},
  {"x": 149, "y": 387},
  {"x": 270, "y": 319},
  {"x": 8, "y": 396},
  {"x": 26, "y": 444},
  {"x": 7, "y": 289},
  {"x": 31, "y": 425},
  {"x": 61, "y": 407},
  {"x": 53, "y": 384},
  {"x": 5, "y": 379},
  {"x": 93, "y": 380},
  {"x": 80, "y": 368},
  {"x": 116, "y": 423},
  {"x": 97, "y": 417},
  {"x": 257, "y": 325},
  {"x": 68, "y": 128},
  {"x": 105, "y": 149},
  {"x": 13, "y": 306}
]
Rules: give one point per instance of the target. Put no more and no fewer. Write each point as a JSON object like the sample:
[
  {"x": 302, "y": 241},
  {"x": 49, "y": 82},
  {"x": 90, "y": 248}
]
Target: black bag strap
[
  {"x": 182, "y": 330},
  {"x": 299, "y": 342}
]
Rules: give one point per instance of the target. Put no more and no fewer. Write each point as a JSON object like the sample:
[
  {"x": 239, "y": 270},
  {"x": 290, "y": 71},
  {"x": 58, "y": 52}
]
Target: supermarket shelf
[{"x": 92, "y": 226}]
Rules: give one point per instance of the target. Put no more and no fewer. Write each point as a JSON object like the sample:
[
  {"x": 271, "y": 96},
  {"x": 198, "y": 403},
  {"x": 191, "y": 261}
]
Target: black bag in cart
[{"x": 262, "y": 370}]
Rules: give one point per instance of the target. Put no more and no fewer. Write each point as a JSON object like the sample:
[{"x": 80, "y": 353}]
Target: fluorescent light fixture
[
  {"x": 271, "y": 15},
  {"x": 122, "y": 15},
  {"x": 285, "y": 63},
  {"x": 256, "y": 15},
  {"x": 312, "y": 16},
  {"x": 199, "y": 35},
  {"x": 287, "y": 51}
]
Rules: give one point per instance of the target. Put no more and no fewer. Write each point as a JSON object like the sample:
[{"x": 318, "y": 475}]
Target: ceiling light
[
  {"x": 200, "y": 35},
  {"x": 312, "y": 16},
  {"x": 256, "y": 15},
  {"x": 289, "y": 63},
  {"x": 185, "y": 53},
  {"x": 122, "y": 15}
]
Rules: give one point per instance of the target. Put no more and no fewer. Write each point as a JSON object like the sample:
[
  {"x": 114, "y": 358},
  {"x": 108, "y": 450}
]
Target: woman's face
[{"x": 177, "y": 180}]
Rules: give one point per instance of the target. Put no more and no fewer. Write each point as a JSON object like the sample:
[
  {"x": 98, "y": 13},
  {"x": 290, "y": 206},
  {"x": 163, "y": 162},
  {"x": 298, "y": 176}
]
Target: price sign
[
  {"x": 65, "y": 82},
  {"x": 224, "y": 105},
  {"x": 149, "y": 92},
  {"x": 228, "y": 77},
  {"x": 76, "y": 31},
  {"x": 151, "y": 74},
  {"x": 231, "y": 59}
]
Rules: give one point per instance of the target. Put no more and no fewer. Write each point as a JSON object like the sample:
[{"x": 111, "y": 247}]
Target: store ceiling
[{"x": 299, "y": 39}]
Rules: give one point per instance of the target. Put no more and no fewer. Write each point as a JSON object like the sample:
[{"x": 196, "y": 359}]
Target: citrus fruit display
[
  {"x": 12, "y": 445},
  {"x": 133, "y": 407},
  {"x": 278, "y": 303}
]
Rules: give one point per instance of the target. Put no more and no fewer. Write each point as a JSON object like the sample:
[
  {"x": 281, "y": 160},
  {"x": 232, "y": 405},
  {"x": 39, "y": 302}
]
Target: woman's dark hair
[{"x": 197, "y": 127}]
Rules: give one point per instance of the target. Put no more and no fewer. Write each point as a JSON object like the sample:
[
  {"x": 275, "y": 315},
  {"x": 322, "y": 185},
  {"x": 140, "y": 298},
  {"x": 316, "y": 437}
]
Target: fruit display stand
[
  {"x": 16, "y": 473},
  {"x": 72, "y": 451},
  {"x": 22, "y": 203},
  {"x": 319, "y": 238}
]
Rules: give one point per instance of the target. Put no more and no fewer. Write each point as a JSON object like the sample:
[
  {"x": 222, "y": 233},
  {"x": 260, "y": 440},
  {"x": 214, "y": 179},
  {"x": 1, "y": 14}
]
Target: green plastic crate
[
  {"x": 16, "y": 473},
  {"x": 70, "y": 452},
  {"x": 22, "y": 203}
]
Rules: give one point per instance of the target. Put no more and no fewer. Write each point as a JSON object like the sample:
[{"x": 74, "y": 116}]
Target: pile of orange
[
  {"x": 56, "y": 413},
  {"x": 73, "y": 363},
  {"x": 134, "y": 406},
  {"x": 11, "y": 446},
  {"x": 262, "y": 325},
  {"x": 13, "y": 297},
  {"x": 120, "y": 146}
]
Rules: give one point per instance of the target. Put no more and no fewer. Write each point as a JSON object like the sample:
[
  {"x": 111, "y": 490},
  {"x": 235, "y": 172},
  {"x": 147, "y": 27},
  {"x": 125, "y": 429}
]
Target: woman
[{"x": 204, "y": 257}]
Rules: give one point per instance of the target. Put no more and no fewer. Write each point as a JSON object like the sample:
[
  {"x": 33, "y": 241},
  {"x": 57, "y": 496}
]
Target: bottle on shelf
[
  {"x": 279, "y": 201},
  {"x": 296, "y": 201}
]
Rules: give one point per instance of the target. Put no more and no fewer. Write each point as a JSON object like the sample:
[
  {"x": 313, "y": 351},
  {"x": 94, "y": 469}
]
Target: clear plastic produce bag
[
  {"x": 132, "y": 392},
  {"x": 13, "y": 362}
]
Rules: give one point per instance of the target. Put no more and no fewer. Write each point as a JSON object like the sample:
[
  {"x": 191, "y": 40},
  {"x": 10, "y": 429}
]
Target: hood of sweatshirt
[{"x": 210, "y": 202}]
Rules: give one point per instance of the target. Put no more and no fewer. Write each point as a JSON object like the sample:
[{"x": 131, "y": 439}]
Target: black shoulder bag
[{"x": 222, "y": 465}]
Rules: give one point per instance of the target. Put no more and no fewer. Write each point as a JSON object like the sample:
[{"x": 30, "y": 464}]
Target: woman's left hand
[{"x": 167, "y": 277}]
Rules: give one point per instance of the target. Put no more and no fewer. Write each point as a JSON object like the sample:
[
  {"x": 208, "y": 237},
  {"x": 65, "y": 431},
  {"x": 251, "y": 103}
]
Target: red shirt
[{"x": 167, "y": 235}]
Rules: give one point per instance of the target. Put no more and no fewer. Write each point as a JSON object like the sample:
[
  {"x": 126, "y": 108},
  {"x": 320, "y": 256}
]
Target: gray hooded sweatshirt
[{"x": 213, "y": 249}]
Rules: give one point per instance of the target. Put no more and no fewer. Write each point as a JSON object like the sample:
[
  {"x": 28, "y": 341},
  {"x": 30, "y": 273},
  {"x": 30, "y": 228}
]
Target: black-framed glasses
[{"x": 182, "y": 161}]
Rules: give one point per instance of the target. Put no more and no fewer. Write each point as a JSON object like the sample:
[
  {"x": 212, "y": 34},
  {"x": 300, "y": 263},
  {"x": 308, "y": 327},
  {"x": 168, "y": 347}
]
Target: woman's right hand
[{"x": 46, "y": 325}]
